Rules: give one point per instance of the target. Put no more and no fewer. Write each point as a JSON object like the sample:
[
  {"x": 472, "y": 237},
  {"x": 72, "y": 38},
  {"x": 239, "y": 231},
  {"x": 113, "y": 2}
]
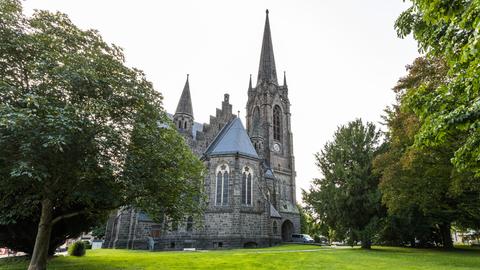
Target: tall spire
[
  {"x": 267, "y": 71},
  {"x": 185, "y": 103}
]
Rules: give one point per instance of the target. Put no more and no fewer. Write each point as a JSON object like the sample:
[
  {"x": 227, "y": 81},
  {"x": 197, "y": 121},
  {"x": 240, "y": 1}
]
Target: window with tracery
[
  {"x": 221, "y": 191},
  {"x": 247, "y": 186}
]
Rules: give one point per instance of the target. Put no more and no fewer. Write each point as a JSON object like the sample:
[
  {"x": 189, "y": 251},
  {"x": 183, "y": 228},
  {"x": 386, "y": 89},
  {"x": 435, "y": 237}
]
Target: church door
[{"x": 287, "y": 230}]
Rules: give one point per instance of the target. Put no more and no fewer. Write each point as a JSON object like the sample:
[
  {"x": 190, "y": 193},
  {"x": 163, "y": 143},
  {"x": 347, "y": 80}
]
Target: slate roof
[
  {"x": 274, "y": 213},
  {"x": 269, "y": 174},
  {"x": 232, "y": 139},
  {"x": 185, "y": 102}
]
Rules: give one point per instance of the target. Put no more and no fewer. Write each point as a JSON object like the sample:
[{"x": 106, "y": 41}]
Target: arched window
[
  {"x": 221, "y": 191},
  {"x": 247, "y": 186},
  {"x": 274, "y": 227},
  {"x": 277, "y": 122},
  {"x": 179, "y": 124}
]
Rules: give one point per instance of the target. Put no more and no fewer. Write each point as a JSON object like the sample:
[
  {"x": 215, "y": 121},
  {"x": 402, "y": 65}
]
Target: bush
[
  {"x": 87, "y": 245},
  {"x": 77, "y": 249}
]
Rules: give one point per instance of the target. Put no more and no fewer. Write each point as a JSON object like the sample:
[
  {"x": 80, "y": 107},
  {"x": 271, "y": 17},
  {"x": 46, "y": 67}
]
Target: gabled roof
[
  {"x": 185, "y": 102},
  {"x": 269, "y": 174},
  {"x": 232, "y": 139},
  {"x": 274, "y": 213}
]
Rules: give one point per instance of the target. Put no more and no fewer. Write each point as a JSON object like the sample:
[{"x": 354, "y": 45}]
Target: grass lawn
[{"x": 281, "y": 257}]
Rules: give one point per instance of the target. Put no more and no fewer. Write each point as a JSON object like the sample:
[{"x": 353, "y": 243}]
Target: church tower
[
  {"x": 268, "y": 124},
  {"x": 183, "y": 117}
]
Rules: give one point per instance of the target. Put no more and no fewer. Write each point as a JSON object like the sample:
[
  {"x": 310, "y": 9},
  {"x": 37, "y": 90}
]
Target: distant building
[{"x": 251, "y": 174}]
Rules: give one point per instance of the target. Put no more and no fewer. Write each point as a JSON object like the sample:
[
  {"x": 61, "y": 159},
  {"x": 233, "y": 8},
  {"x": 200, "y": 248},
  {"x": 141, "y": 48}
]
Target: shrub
[
  {"x": 87, "y": 245},
  {"x": 77, "y": 249}
]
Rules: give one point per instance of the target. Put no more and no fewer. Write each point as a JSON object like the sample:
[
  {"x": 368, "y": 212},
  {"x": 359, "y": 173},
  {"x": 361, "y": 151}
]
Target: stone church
[{"x": 250, "y": 180}]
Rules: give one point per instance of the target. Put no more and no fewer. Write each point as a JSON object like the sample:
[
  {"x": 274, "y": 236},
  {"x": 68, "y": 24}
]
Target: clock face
[{"x": 276, "y": 147}]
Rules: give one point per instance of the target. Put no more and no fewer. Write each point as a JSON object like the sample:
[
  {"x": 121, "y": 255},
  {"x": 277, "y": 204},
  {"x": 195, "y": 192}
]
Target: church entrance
[{"x": 287, "y": 230}]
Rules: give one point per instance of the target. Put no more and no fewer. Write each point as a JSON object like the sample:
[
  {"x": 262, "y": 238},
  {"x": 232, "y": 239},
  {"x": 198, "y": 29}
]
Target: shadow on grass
[{"x": 16, "y": 259}]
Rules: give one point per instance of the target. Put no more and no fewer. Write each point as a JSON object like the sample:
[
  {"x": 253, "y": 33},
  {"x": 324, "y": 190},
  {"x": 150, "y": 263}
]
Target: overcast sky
[{"x": 341, "y": 57}]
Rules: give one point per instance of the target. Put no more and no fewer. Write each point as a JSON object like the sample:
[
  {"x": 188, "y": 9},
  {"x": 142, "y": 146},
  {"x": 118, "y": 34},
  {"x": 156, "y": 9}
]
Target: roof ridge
[
  {"x": 232, "y": 139},
  {"x": 220, "y": 135}
]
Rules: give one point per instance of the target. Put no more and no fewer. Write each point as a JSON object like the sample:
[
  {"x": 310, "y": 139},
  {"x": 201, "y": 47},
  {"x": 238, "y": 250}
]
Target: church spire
[
  {"x": 185, "y": 103},
  {"x": 284, "y": 78},
  {"x": 267, "y": 71}
]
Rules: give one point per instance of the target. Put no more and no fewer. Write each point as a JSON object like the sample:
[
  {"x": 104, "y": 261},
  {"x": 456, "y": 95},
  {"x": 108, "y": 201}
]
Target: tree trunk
[
  {"x": 445, "y": 231},
  {"x": 40, "y": 250}
]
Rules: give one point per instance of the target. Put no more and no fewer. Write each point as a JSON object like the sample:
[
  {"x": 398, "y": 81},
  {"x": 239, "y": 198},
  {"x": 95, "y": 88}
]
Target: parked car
[{"x": 302, "y": 238}]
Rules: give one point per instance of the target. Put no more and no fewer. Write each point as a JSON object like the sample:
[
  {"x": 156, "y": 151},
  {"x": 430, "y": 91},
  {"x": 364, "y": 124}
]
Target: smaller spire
[
  {"x": 250, "y": 83},
  {"x": 185, "y": 103},
  {"x": 284, "y": 78}
]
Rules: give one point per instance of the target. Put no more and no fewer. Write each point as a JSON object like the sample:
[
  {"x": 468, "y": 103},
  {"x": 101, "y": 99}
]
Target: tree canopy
[
  {"x": 449, "y": 30},
  {"x": 421, "y": 181},
  {"x": 347, "y": 198},
  {"x": 79, "y": 127}
]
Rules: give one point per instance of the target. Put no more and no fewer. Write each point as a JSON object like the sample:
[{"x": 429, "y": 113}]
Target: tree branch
[{"x": 57, "y": 219}]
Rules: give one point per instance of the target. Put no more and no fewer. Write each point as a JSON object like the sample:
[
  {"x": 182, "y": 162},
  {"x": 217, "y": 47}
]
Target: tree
[
  {"x": 420, "y": 184},
  {"x": 449, "y": 30},
  {"x": 79, "y": 128},
  {"x": 347, "y": 198},
  {"x": 20, "y": 235}
]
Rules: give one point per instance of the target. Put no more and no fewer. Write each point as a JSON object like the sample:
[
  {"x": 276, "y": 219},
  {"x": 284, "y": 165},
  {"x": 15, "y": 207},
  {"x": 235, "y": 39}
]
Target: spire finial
[
  {"x": 188, "y": 76},
  {"x": 266, "y": 11}
]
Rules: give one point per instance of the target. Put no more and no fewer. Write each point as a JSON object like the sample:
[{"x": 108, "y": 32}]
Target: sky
[{"x": 341, "y": 57}]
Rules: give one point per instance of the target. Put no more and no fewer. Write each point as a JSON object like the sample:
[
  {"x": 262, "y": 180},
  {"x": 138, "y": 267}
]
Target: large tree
[
  {"x": 347, "y": 198},
  {"x": 421, "y": 181},
  {"x": 449, "y": 30},
  {"x": 79, "y": 128}
]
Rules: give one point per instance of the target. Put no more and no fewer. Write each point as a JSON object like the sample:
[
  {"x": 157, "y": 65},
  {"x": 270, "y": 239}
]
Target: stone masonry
[{"x": 250, "y": 184}]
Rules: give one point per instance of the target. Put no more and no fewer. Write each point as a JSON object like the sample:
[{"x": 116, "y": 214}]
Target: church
[{"x": 250, "y": 179}]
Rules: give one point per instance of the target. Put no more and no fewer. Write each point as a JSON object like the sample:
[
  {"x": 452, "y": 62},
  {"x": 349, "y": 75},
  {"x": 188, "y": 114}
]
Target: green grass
[{"x": 281, "y": 257}]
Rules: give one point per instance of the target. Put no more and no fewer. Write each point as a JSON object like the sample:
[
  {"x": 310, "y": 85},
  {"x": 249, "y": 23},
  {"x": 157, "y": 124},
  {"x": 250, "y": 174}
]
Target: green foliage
[
  {"x": 99, "y": 231},
  {"x": 449, "y": 30},
  {"x": 77, "y": 249},
  {"x": 421, "y": 188},
  {"x": 87, "y": 245},
  {"x": 80, "y": 132},
  {"x": 346, "y": 198}
]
